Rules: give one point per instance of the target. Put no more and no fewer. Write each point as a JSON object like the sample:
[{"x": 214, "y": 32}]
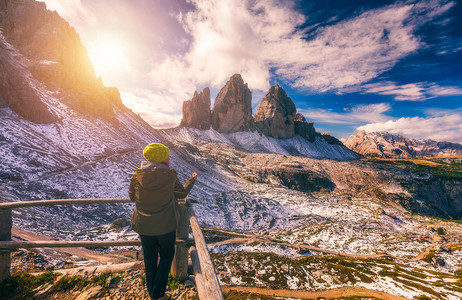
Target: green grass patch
[
  {"x": 21, "y": 286},
  {"x": 106, "y": 280},
  {"x": 447, "y": 220},
  {"x": 172, "y": 283},
  {"x": 439, "y": 168},
  {"x": 67, "y": 283},
  {"x": 440, "y": 231},
  {"x": 143, "y": 278}
]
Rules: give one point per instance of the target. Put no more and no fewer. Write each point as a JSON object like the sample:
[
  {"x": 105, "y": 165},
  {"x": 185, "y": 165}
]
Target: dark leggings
[{"x": 157, "y": 274}]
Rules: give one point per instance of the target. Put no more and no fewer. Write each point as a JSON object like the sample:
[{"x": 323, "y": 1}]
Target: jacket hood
[{"x": 153, "y": 175}]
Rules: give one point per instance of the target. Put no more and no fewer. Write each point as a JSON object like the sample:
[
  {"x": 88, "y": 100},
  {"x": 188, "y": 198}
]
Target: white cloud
[
  {"x": 219, "y": 38},
  {"x": 436, "y": 90},
  {"x": 357, "y": 115},
  {"x": 410, "y": 92},
  {"x": 249, "y": 38},
  {"x": 236, "y": 37},
  {"x": 444, "y": 128},
  {"x": 351, "y": 52},
  {"x": 154, "y": 108}
]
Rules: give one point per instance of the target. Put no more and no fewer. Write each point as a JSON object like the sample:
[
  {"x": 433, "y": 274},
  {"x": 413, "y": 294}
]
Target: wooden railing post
[
  {"x": 179, "y": 268},
  {"x": 210, "y": 289},
  {"x": 5, "y": 235}
]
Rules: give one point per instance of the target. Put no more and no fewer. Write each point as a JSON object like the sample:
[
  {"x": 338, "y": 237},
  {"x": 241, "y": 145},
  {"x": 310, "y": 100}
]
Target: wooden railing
[{"x": 208, "y": 286}]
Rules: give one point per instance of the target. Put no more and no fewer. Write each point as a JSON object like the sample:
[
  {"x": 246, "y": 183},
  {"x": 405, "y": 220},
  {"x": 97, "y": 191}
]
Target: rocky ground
[
  {"x": 290, "y": 224},
  {"x": 129, "y": 284}
]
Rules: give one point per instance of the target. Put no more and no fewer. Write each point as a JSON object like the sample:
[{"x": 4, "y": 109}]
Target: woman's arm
[{"x": 182, "y": 191}]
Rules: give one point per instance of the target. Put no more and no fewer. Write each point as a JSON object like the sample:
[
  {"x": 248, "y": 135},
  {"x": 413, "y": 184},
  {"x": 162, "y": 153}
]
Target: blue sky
[{"x": 348, "y": 65}]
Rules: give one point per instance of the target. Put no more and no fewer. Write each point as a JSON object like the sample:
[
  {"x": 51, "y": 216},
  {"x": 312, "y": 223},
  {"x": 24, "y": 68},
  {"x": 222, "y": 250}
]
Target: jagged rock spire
[
  {"x": 303, "y": 128},
  {"x": 232, "y": 110},
  {"x": 275, "y": 114},
  {"x": 196, "y": 112}
]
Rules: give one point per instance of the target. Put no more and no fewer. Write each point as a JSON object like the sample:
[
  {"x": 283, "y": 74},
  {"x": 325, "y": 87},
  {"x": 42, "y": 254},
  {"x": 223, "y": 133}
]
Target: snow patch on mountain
[{"x": 252, "y": 141}]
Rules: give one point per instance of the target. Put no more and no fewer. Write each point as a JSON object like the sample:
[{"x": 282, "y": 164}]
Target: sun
[{"x": 108, "y": 56}]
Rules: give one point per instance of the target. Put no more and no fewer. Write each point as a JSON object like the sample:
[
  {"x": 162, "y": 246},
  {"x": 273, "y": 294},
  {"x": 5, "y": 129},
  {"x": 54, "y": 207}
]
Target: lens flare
[{"x": 108, "y": 56}]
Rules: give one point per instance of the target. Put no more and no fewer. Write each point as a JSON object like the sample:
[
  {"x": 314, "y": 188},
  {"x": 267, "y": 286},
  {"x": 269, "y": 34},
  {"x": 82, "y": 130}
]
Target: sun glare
[{"x": 108, "y": 56}]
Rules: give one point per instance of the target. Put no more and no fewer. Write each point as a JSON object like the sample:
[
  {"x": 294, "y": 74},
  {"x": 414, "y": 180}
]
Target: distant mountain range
[{"x": 387, "y": 145}]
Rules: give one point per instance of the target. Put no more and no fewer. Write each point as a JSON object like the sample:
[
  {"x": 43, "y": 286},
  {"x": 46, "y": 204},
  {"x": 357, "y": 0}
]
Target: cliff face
[
  {"x": 276, "y": 117},
  {"x": 275, "y": 114},
  {"x": 444, "y": 195},
  {"x": 15, "y": 91},
  {"x": 383, "y": 144},
  {"x": 196, "y": 112},
  {"x": 51, "y": 51},
  {"x": 232, "y": 110},
  {"x": 47, "y": 39},
  {"x": 303, "y": 128}
]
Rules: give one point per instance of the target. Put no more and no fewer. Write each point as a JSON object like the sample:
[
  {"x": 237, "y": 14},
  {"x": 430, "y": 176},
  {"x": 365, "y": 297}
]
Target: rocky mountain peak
[
  {"x": 53, "y": 55},
  {"x": 196, "y": 112},
  {"x": 377, "y": 144},
  {"x": 232, "y": 110},
  {"x": 275, "y": 114},
  {"x": 303, "y": 128}
]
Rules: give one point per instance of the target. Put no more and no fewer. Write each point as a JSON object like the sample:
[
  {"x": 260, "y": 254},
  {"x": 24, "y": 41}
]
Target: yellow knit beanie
[{"x": 156, "y": 152}]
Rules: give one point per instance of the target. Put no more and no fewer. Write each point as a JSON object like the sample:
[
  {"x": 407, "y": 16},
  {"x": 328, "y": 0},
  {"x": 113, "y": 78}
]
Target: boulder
[
  {"x": 196, "y": 112},
  {"x": 275, "y": 114},
  {"x": 303, "y": 128},
  {"x": 232, "y": 110}
]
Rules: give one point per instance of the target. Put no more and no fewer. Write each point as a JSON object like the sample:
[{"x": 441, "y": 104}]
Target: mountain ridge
[
  {"x": 276, "y": 114},
  {"x": 387, "y": 145},
  {"x": 51, "y": 51}
]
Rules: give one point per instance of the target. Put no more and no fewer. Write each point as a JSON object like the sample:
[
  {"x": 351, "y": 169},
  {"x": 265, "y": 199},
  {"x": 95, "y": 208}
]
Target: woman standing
[{"x": 154, "y": 188}]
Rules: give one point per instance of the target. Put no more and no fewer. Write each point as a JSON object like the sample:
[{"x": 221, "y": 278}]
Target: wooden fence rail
[
  {"x": 87, "y": 201},
  {"x": 207, "y": 283}
]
